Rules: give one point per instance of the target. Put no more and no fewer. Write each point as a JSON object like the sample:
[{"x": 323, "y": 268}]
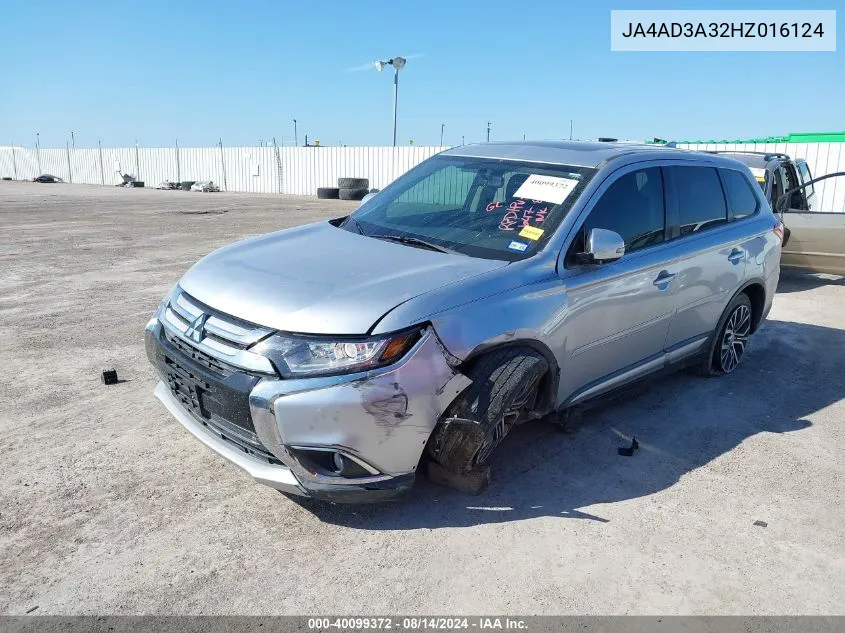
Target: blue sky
[{"x": 198, "y": 71}]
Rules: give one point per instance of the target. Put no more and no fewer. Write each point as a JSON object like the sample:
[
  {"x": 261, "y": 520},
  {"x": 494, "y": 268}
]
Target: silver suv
[{"x": 490, "y": 285}]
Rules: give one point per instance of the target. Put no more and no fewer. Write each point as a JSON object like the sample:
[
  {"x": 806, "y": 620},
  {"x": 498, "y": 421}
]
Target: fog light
[{"x": 329, "y": 462}]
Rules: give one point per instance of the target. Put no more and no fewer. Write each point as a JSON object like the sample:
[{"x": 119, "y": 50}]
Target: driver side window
[{"x": 634, "y": 207}]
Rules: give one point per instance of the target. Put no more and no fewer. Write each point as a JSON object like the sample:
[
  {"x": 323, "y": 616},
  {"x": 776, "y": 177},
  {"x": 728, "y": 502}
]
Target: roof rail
[{"x": 766, "y": 155}]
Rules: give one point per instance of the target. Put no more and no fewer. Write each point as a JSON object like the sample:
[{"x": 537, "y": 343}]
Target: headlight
[{"x": 298, "y": 356}]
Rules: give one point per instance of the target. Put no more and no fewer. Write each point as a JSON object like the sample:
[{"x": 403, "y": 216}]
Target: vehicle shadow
[
  {"x": 681, "y": 422},
  {"x": 798, "y": 281}
]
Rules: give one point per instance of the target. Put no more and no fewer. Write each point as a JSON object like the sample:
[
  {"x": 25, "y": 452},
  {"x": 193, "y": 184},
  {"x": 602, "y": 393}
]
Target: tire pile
[{"x": 347, "y": 189}]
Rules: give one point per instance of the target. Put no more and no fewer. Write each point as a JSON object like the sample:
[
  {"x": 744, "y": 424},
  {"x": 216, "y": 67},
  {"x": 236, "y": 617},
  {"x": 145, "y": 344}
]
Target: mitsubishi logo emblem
[{"x": 196, "y": 330}]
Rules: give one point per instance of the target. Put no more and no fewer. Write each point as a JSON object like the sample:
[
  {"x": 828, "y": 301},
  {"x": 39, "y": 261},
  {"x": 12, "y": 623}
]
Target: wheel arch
[
  {"x": 755, "y": 290},
  {"x": 549, "y": 383}
]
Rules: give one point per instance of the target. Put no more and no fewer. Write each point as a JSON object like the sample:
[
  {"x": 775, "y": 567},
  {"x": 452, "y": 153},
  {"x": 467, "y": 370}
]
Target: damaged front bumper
[{"x": 349, "y": 438}]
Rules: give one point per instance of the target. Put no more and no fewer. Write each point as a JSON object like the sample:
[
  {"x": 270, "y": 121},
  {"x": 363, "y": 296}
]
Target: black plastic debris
[
  {"x": 760, "y": 523},
  {"x": 109, "y": 376},
  {"x": 628, "y": 451}
]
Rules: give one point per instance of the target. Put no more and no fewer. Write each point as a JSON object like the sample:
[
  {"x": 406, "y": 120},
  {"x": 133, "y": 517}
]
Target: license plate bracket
[{"x": 188, "y": 388}]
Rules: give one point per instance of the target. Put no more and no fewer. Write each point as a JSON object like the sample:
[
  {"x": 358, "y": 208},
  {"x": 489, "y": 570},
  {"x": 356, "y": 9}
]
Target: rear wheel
[
  {"x": 503, "y": 393},
  {"x": 731, "y": 338}
]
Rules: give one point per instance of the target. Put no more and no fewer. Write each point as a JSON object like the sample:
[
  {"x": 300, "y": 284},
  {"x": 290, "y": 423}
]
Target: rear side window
[
  {"x": 633, "y": 207},
  {"x": 806, "y": 177},
  {"x": 701, "y": 201},
  {"x": 740, "y": 195}
]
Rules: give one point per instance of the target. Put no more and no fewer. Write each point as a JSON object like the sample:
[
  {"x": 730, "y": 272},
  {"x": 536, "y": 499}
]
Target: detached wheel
[
  {"x": 731, "y": 339},
  {"x": 328, "y": 193},
  {"x": 353, "y": 183},
  {"x": 352, "y": 194},
  {"x": 503, "y": 392}
]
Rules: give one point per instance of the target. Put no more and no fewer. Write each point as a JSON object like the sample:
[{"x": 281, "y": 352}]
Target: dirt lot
[{"x": 109, "y": 506}]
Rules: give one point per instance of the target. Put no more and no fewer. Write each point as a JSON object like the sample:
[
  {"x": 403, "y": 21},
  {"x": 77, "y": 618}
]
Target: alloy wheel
[{"x": 734, "y": 338}]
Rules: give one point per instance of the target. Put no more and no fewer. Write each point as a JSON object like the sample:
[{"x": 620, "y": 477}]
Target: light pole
[
  {"x": 38, "y": 151},
  {"x": 442, "y": 127},
  {"x": 295, "y": 135},
  {"x": 488, "y": 131},
  {"x": 398, "y": 63}
]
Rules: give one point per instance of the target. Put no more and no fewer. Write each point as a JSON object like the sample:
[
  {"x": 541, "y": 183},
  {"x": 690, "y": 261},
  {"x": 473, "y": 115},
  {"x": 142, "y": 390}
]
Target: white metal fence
[
  {"x": 300, "y": 170},
  {"x": 822, "y": 158},
  {"x": 292, "y": 170}
]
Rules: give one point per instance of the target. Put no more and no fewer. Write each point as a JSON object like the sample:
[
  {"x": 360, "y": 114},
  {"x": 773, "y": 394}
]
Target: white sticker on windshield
[{"x": 546, "y": 188}]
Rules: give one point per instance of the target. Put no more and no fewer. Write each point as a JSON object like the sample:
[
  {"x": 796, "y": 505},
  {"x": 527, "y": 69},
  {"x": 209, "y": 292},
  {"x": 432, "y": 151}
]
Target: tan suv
[{"x": 815, "y": 237}]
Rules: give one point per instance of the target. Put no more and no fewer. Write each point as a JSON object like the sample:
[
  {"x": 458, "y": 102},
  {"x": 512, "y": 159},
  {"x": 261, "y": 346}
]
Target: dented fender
[{"x": 531, "y": 316}]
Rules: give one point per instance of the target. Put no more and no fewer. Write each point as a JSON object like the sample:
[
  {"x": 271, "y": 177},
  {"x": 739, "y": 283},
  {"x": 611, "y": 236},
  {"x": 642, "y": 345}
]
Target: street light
[
  {"x": 38, "y": 151},
  {"x": 398, "y": 63},
  {"x": 295, "y": 135},
  {"x": 442, "y": 127}
]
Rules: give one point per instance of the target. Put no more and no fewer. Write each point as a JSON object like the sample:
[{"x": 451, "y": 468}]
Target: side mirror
[
  {"x": 602, "y": 246},
  {"x": 369, "y": 196}
]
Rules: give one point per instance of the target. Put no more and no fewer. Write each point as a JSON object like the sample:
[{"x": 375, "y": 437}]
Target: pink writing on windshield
[
  {"x": 508, "y": 221},
  {"x": 526, "y": 217}
]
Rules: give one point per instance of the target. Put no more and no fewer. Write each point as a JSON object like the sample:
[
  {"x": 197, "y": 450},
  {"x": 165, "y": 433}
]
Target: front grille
[
  {"x": 224, "y": 412},
  {"x": 206, "y": 360},
  {"x": 203, "y": 355},
  {"x": 217, "y": 341},
  {"x": 208, "y": 397}
]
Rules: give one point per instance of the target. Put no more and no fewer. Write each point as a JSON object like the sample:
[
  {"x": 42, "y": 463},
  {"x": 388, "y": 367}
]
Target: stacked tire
[
  {"x": 352, "y": 188},
  {"x": 328, "y": 193}
]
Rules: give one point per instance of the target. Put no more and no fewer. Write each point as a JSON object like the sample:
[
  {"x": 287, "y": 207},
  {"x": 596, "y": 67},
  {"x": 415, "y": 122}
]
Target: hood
[{"x": 320, "y": 279}]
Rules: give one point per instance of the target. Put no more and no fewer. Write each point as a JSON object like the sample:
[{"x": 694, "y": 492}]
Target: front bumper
[{"x": 379, "y": 419}]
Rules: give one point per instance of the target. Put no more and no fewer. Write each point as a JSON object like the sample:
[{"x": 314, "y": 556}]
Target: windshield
[{"x": 489, "y": 208}]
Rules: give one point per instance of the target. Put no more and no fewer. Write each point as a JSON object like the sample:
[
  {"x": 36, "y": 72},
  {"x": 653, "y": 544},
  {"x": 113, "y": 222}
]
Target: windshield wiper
[
  {"x": 357, "y": 225},
  {"x": 414, "y": 241}
]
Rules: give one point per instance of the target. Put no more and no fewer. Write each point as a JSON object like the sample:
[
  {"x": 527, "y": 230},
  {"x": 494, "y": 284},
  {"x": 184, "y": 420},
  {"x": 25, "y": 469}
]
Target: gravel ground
[{"x": 108, "y": 506}]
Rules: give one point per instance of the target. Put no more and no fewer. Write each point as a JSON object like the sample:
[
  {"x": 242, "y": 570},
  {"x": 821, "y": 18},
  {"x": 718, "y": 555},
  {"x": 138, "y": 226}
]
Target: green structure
[{"x": 793, "y": 137}]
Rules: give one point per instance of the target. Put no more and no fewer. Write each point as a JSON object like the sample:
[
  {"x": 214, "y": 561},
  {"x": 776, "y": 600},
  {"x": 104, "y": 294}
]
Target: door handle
[
  {"x": 736, "y": 255},
  {"x": 664, "y": 278}
]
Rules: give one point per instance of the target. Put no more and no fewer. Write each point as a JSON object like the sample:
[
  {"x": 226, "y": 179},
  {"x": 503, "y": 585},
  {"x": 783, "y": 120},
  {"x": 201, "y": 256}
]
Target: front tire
[
  {"x": 504, "y": 390},
  {"x": 731, "y": 338}
]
